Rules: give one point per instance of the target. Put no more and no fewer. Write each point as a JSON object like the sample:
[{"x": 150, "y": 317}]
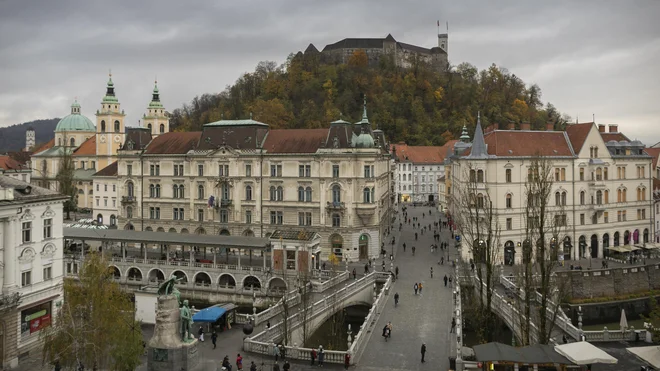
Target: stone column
[
  {"x": 9, "y": 254},
  {"x": 239, "y": 258}
]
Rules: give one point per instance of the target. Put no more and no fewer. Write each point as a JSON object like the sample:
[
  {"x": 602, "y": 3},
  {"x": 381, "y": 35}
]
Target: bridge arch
[
  {"x": 181, "y": 275},
  {"x": 155, "y": 275},
  {"x": 202, "y": 278},
  {"x": 276, "y": 284},
  {"x": 227, "y": 280},
  {"x": 134, "y": 274},
  {"x": 251, "y": 281},
  {"x": 114, "y": 270}
]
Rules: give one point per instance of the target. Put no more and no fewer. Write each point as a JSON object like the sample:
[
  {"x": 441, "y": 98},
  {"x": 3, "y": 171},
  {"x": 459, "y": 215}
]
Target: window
[
  {"x": 563, "y": 198},
  {"x": 154, "y": 213},
  {"x": 73, "y": 142},
  {"x": 605, "y": 173},
  {"x": 273, "y": 193},
  {"x": 248, "y": 193},
  {"x": 129, "y": 170},
  {"x": 423, "y": 178},
  {"x": 623, "y": 215},
  {"x": 200, "y": 215},
  {"x": 200, "y": 170},
  {"x": 131, "y": 189},
  {"x": 48, "y": 228},
  {"x": 154, "y": 170},
  {"x": 581, "y": 219},
  {"x": 276, "y": 217},
  {"x": 594, "y": 218},
  {"x": 223, "y": 170},
  {"x": 308, "y": 194},
  {"x": 599, "y": 174},
  {"x": 335, "y": 171},
  {"x": 154, "y": 190},
  {"x": 557, "y": 198},
  {"x": 304, "y": 219},
  {"x": 102, "y": 126},
  {"x": 276, "y": 170},
  {"x": 117, "y": 125},
  {"x": 473, "y": 176},
  {"x": 304, "y": 171},
  {"x": 129, "y": 212},
  {"x": 557, "y": 176},
  {"x": 178, "y": 170},
  {"x": 93, "y": 165},
  {"x": 248, "y": 216},
  {"x": 27, "y": 232},
  {"x": 162, "y": 128},
  {"x": 508, "y": 201},
  {"x": 563, "y": 174},
  {"x": 336, "y": 220},
  {"x": 177, "y": 213},
  {"x": 509, "y": 224},
  {"x": 618, "y": 216},
  {"x": 508, "y": 175},
  {"x": 607, "y": 196},
  {"x": 97, "y": 188},
  {"x": 480, "y": 176},
  {"x": 224, "y": 191},
  {"x": 582, "y": 197},
  {"x": 224, "y": 216},
  {"x": 105, "y": 201},
  {"x": 26, "y": 277},
  {"x": 369, "y": 171},
  {"x": 301, "y": 194},
  {"x": 248, "y": 170},
  {"x": 177, "y": 191},
  {"x": 582, "y": 174},
  {"x": 606, "y": 217},
  {"x": 48, "y": 273},
  {"x": 97, "y": 202},
  {"x": 200, "y": 191},
  {"x": 336, "y": 193},
  {"x": 280, "y": 193},
  {"x": 366, "y": 196},
  {"x": 599, "y": 197}
]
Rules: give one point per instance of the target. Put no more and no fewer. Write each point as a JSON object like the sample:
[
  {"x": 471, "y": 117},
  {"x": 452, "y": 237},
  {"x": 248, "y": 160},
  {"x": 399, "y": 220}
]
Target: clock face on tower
[
  {"x": 117, "y": 138},
  {"x": 102, "y": 138}
]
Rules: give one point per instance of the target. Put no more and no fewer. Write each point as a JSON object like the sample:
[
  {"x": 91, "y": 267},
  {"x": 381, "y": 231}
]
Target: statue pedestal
[{"x": 166, "y": 350}]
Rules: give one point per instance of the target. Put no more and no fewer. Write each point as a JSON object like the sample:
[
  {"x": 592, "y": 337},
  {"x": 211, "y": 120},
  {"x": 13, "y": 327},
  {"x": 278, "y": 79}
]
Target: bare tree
[
  {"x": 304, "y": 287},
  {"x": 478, "y": 224}
]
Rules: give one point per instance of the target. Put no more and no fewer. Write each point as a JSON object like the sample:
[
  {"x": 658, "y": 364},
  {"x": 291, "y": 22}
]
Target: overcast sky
[{"x": 589, "y": 57}]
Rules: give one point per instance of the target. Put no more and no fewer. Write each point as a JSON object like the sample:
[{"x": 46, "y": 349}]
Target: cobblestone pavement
[{"x": 422, "y": 318}]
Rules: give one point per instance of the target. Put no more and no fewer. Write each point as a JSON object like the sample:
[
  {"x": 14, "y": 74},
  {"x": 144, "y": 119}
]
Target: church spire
[
  {"x": 464, "y": 135},
  {"x": 478, "y": 143},
  {"x": 156, "y": 95},
  {"x": 110, "y": 91}
]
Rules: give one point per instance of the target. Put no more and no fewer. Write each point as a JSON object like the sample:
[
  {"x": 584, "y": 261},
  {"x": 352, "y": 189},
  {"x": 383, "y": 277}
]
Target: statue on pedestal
[{"x": 186, "y": 323}]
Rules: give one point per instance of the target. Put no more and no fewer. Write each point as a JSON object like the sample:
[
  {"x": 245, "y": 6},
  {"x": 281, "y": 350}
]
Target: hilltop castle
[{"x": 341, "y": 51}]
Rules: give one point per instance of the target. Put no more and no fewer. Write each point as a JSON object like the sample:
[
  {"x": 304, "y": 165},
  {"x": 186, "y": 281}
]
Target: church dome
[
  {"x": 75, "y": 121},
  {"x": 364, "y": 140}
]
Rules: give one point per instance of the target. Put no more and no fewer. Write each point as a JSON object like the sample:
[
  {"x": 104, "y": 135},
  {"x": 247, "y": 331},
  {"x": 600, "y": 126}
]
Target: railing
[
  {"x": 323, "y": 286},
  {"x": 292, "y": 299}
]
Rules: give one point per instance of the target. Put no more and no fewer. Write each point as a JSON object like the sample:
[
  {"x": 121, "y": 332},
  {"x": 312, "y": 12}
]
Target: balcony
[
  {"x": 340, "y": 206},
  {"x": 365, "y": 210},
  {"x": 597, "y": 184},
  {"x": 224, "y": 203},
  {"x": 127, "y": 199},
  {"x": 598, "y": 207}
]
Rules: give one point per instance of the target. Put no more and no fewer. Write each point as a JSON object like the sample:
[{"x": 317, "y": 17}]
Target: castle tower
[
  {"x": 109, "y": 126},
  {"x": 30, "y": 138},
  {"x": 443, "y": 42},
  {"x": 155, "y": 119}
]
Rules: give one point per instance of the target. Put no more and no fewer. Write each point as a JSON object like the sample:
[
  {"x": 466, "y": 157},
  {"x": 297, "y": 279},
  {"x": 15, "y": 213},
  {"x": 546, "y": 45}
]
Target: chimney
[
  {"x": 550, "y": 126},
  {"x": 512, "y": 126},
  {"x": 601, "y": 128},
  {"x": 614, "y": 128},
  {"x": 525, "y": 126}
]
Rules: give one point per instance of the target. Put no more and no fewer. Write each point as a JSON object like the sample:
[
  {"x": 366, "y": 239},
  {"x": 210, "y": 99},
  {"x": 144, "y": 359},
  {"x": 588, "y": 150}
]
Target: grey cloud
[{"x": 587, "y": 56}]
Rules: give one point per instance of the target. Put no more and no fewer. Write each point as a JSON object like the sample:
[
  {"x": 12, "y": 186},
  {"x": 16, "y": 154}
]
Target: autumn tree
[
  {"x": 96, "y": 325},
  {"x": 478, "y": 224},
  {"x": 65, "y": 178}
]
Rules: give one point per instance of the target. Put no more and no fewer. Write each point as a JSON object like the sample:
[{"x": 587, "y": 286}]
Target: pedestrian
[
  {"x": 214, "y": 338},
  {"x": 323, "y": 266},
  {"x": 391, "y": 257},
  {"x": 268, "y": 324},
  {"x": 283, "y": 352},
  {"x": 201, "y": 333},
  {"x": 347, "y": 360},
  {"x": 413, "y": 250},
  {"x": 420, "y": 288},
  {"x": 286, "y": 366},
  {"x": 354, "y": 274},
  {"x": 445, "y": 279},
  {"x": 225, "y": 363},
  {"x": 58, "y": 367},
  {"x": 383, "y": 266},
  {"x": 423, "y": 351},
  {"x": 396, "y": 270},
  {"x": 472, "y": 266},
  {"x": 313, "y": 355},
  {"x": 431, "y": 272},
  {"x": 321, "y": 355},
  {"x": 276, "y": 352},
  {"x": 404, "y": 247},
  {"x": 416, "y": 288},
  {"x": 253, "y": 366},
  {"x": 239, "y": 362},
  {"x": 366, "y": 268},
  {"x": 453, "y": 325},
  {"x": 449, "y": 281},
  {"x": 276, "y": 367}
]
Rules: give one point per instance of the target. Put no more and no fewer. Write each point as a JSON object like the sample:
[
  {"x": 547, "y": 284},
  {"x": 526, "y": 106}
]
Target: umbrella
[{"x": 623, "y": 322}]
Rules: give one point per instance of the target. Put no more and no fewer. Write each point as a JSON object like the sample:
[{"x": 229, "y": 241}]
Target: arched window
[
  {"x": 301, "y": 194},
  {"x": 557, "y": 198},
  {"x": 508, "y": 201},
  {"x": 624, "y": 195},
  {"x": 366, "y": 196},
  {"x": 117, "y": 126},
  {"x": 149, "y": 126},
  {"x": 508, "y": 175},
  {"x": 59, "y": 142},
  {"x": 473, "y": 176},
  {"x": 605, "y": 173},
  {"x": 129, "y": 212},
  {"x": 404, "y": 177},
  {"x": 607, "y": 196},
  {"x": 581, "y": 197},
  {"x": 157, "y": 194},
  {"x": 308, "y": 194},
  {"x": 200, "y": 192},
  {"x": 480, "y": 200},
  {"x": 280, "y": 193},
  {"x": 99, "y": 218},
  {"x": 480, "y": 176},
  {"x": 599, "y": 174},
  {"x": 152, "y": 190},
  {"x": 599, "y": 197},
  {"x": 618, "y": 195},
  {"x": 273, "y": 193},
  {"x": 563, "y": 198},
  {"x": 130, "y": 188},
  {"x": 336, "y": 193},
  {"x": 162, "y": 128},
  {"x": 336, "y": 220},
  {"x": 248, "y": 193},
  {"x": 73, "y": 142},
  {"x": 373, "y": 194},
  {"x": 102, "y": 126},
  {"x": 113, "y": 219}
]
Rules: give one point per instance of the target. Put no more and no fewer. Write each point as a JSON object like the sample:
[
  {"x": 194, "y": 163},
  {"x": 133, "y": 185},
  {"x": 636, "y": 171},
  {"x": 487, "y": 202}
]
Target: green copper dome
[
  {"x": 155, "y": 98},
  {"x": 75, "y": 121},
  {"x": 110, "y": 92},
  {"x": 364, "y": 140}
]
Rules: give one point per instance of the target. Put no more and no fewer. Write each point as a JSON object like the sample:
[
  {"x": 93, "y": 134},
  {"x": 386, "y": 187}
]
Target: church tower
[
  {"x": 110, "y": 133},
  {"x": 443, "y": 39},
  {"x": 155, "y": 119},
  {"x": 30, "y": 138}
]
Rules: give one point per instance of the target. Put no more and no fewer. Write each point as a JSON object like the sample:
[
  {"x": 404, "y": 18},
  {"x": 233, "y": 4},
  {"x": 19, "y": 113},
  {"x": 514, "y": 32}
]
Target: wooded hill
[
  {"x": 418, "y": 105},
  {"x": 12, "y": 138}
]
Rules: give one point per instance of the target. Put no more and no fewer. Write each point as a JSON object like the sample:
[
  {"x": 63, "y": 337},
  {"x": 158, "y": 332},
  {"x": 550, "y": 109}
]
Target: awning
[
  {"x": 649, "y": 246},
  {"x": 583, "y": 353},
  {"x": 533, "y": 354},
  {"x": 650, "y": 355},
  {"x": 210, "y": 314},
  {"x": 618, "y": 249}
]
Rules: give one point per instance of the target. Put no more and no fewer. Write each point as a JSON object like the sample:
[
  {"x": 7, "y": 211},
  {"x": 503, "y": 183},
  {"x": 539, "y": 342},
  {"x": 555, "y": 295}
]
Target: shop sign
[{"x": 39, "y": 323}]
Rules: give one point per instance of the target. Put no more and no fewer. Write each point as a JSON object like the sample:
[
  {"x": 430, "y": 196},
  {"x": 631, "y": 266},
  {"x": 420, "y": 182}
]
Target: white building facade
[
  {"x": 602, "y": 181},
  {"x": 31, "y": 240},
  {"x": 106, "y": 205},
  {"x": 417, "y": 169}
]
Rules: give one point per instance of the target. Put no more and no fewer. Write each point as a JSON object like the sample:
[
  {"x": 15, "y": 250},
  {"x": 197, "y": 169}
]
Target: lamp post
[{"x": 350, "y": 339}]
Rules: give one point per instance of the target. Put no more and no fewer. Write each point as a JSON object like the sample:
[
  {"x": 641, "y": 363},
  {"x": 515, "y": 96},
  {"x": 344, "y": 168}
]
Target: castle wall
[{"x": 612, "y": 282}]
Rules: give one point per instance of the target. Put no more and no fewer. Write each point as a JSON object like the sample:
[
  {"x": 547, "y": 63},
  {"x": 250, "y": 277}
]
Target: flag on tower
[{"x": 438, "y": 23}]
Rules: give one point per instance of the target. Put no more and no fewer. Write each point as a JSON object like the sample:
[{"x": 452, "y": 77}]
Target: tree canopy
[{"x": 419, "y": 105}]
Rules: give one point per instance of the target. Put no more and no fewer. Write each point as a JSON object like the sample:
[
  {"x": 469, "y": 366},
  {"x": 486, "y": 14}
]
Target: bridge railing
[
  {"x": 325, "y": 285},
  {"x": 292, "y": 299}
]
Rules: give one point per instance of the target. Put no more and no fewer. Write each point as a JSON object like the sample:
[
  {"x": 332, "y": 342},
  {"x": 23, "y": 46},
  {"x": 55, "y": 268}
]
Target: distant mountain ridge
[{"x": 12, "y": 138}]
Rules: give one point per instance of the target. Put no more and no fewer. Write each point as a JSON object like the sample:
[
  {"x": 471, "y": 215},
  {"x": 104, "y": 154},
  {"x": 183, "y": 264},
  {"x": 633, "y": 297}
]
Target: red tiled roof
[
  {"x": 577, "y": 134},
  {"x": 295, "y": 140},
  {"x": 173, "y": 143},
  {"x": 614, "y": 136},
  {"x": 48, "y": 145},
  {"x": 8, "y": 163},
  {"x": 527, "y": 143},
  {"x": 87, "y": 148},
  {"x": 420, "y": 154},
  {"x": 653, "y": 152},
  {"x": 110, "y": 170}
]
